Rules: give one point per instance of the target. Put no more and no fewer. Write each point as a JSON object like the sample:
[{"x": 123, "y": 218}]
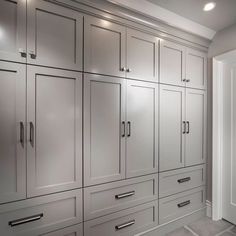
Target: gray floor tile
[
  {"x": 180, "y": 232},
  {"x": 207, "y": 227}
]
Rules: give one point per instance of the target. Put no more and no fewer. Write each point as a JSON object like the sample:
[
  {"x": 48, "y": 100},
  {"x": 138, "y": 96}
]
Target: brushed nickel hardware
[
  {"x": 184, "y": 124},
  {"x": 127, "y": 224},
  {"x": 22, "y": 52},
  {"x": 123, "y": 130},
  {"x": 22, "y": 134},
  {"x": 184, "y": 80},
  {"x": 32, "y": 55},
  {"x": 123, "y": 69},
  {"x": 187, "y": 80},
  {"x": 124, "y": 195},
  {"x": 31, "y": 139},
  {"x": 182, "y": 204},
  {"x": 184, "y": 180},
  {"x": 188, "y": 127},
  {"x": 25, "y": 220},
  {"x": 129, "y": 128},
  {"x": 128, "y": 70}
]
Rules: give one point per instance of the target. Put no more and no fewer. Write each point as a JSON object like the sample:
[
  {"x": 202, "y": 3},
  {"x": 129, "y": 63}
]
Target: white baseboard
[{"x": 209, "y": 208}]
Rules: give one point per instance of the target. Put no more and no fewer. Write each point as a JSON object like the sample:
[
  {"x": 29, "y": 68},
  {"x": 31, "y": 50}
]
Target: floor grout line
[
  {"x": 226, "y": 230},
  {"x": 190, "y": 230}
]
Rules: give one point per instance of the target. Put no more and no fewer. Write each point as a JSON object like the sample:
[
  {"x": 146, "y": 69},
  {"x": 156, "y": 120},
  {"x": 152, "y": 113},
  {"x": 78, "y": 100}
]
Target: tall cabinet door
[
  {"x": 142, "y": 55},
  {"x": 55, "y": 35},
  {"x": 54, "y": 160},
  {"x": 196, "y": 127},
  {"x": 196, "y": 69},
  {"x": 104, "y": 138},
  {"x": 172, "y": 63},
  {"x": 142, "y": 128},
  {"x": 104, "y": 47},
  {"x": 12, "y": 135},
  {"x": 13, "y": 30},
  {"x": 172, "y": 127}
]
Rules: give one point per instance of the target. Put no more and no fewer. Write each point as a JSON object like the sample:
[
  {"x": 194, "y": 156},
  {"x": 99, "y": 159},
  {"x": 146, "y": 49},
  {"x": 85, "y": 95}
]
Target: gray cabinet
[
  {"x": 172, "y": 116},
  {"x": 196, "y": 127},
  {"x": 13, "y": 30},
  {"x": 104, "y": 141},
  {"x": 142, "y": 128},
  {"x": 104, "y": 47},
  {"x": 142, "y": 55},
  {"x": 54, "y": 115},
  {"x": 182, "y": 127},
  {"x": 58, "y": 43},
  {"x": 196, "y": 69},
  {"x": 12, "y": 135},
  {"x": 172, "y": 63}
]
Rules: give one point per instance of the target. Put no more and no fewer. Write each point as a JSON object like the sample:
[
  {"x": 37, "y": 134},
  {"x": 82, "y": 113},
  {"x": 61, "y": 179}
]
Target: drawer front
[
  {"x": 180, "y": 204},
  {"x": 76, "y": 230},
  {"x": 177, "y": 181},
  {"x": 112, "y": 197},
  {"x": 42, "y": 214},
  {"x": 126, "y": 222}
]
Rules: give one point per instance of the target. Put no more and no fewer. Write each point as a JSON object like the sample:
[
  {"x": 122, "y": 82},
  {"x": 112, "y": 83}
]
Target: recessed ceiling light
[{"x": 209, "y": 6}]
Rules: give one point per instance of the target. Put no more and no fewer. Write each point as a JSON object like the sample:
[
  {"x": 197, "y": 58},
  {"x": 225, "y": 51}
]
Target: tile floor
[{"x": 206, "y": 227}]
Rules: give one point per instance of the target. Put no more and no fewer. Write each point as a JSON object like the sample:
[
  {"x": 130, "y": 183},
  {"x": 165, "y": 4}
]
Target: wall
[{"x": 223, "y": 41}]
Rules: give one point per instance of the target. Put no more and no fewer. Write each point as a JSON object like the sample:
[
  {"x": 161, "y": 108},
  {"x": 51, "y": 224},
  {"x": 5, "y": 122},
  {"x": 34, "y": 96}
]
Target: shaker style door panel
[
  {"x": 13, "y": 30},
  {"x": 55, "y": 35},
  {"x": 172, "y": 116},
  {"x": 196, "y": 69},
  {"x": 104, "y": 47},
  {"x": 141, "y": 128},
  {"x": 172, "y": 63},
  {"x": 104, "y": 141},
  {"x": 142, "y": 56},
  {"x": 12, "y": 135},
  {"x": 196, "y": 127},
  {"x": 55, "y": 130}
]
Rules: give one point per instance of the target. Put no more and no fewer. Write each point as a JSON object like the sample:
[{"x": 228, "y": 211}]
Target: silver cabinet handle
[
  {"x": 127, "y": 224},
  {"x": 187, "y": 80},
  {"x": 129, "y": 128},
  {"x": 123, "y": 69},
  {"x": 124, "y": 195},
  {"x": 123, "y": 129},
  {"x": 182, "y": 204},
  {"x": 184, "y": 80},
  {"x": 128, "y": 70},
  {"x": 31, "y": 139},
  {"x": 32, "y": 55},
  {"x": 183, "y": 180},
  {"x": 25, "y": 220},
  {"x": 22, "y": 52},
  {"x": 184, "y": 125},
  {"x": 22, "y": 134},
  {"x": 188, "y": 127}
]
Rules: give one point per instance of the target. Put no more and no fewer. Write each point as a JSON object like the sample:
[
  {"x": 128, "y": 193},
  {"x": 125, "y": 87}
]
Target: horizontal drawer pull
[
  {"x": 25, "y": 220},
  {"x": 127, "y": 224},
  {"x": 182, "y": 204},
  {"x": 124, "y": 195},
  {"x": 184, "y": 180}
]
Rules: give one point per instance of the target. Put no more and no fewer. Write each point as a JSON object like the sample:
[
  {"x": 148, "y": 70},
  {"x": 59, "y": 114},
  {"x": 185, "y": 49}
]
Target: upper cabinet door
[
  {"x": 172, "y": 63},
  {"x": 142, "y": 128},
  {"x": 172, "y": 127},
  {"x": 142, "y": 56},
  {"x": 104, "y": 47},
  {"x": 12, "y": 135},
  {"x": 54, "y": 130},
  {"x": 196, "y": 69},
  {"x": 196, "y": 127},
  {"x": 55, "y": 35},
  {"x": 13, "y": 30},
  {"x": 104, "y": 134}
]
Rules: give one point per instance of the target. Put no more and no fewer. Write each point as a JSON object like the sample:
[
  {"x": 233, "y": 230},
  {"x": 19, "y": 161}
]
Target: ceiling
[{"x": 219, "y": 18}]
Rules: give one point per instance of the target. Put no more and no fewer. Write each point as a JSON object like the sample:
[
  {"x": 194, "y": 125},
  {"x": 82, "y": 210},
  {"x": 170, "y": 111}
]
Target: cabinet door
[
  {"x": 196, "y": 69},
  {"x": 13, "y": 30},
  {"x": 172, "y": 117},
  {"x": 172, "y": 63},
  {"x": 55, "y": 35},
  {"x": 104, "y": 47},
  {"x": 55, "y": 130},
  {"x": 12, "y": 126},
  {"x": 142, "y": 124},
  {"x": 196, "y": 128},
  {"x": 104, "y": 141},
  {"x": 142, "y": 55}
]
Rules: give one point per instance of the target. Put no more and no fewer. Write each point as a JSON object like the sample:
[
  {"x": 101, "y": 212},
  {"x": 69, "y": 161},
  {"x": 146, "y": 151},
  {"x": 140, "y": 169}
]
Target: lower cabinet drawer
[
  {"x": 75, "y": 230},
  {"x": 42, "y": 214},
  {"x": 127, "y": 222},
  {"x": 109, "y": 198},
  {"x": 180, "y": 204},
  {"x": 176, "y": 181}
]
